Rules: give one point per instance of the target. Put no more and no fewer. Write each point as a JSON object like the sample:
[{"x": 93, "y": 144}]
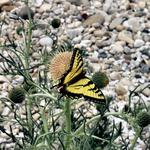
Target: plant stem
[
  {"x": 135, "y": 139},
  {"x": 68, "y": 124}
]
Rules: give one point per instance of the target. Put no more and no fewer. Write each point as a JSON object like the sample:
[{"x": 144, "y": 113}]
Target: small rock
[
  {"x": 6, "y": 111},
  {"x": 46, "y": 41},
  {"x": 144, "y": 88},
  {"x": 98, "y": 33},
  {"x": 3, "y": 79},
  {"x": 145, "y": 68},
  {"x": 4, "y": 2},
  {"x": 36, "y": 33},
  {"x": 18, "y": 80},
  {"x": 1, "y": 107},
  {"x": 116, "y": 22},
  {"x": 72, "y": 33},
  {"x": 107, "y": 5},
  {"x": 36, "y": 55},
  {"x": 79, "y": 2},
  {"x": 25, "y": 11},
  {"x": 102, "y": 55},
  {"x": 125, "y": 36},
  {"x": 115, "y": 76},
  {"x": 7, "y": 8},
  {"x": 138, "y": 43},
  {"x": 120, "y": 89},
  {"x": 38, "y": 3},
  {"x": 116, "y": 48},
  {"x": 36, "y": 116},
  {"x": 133, "y": 23},
  {"x": 98, "y": 18},
  {"x": 85, "y": 43},
  {"x": 45, "y": 8}
]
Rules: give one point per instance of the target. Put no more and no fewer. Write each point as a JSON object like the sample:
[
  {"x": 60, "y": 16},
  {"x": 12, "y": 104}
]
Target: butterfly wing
[
  {"x": 76, "y": 68},
  {"x": 86, "y": 88}
]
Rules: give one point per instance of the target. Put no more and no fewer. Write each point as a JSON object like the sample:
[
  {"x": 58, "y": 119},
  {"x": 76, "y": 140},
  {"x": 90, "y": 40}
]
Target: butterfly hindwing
[{"x": 86, "y": 88}]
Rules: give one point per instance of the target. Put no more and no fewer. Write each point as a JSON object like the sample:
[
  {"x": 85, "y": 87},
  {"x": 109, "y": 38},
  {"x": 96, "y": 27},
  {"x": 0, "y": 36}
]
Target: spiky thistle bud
[
  {"x": 143, "y": 119},
  {"x": 60, "y": 64},
  {"x": 55, "y": 23},
  {"x": 100, "y": 79},
  {"x": 17, "y": 95}
]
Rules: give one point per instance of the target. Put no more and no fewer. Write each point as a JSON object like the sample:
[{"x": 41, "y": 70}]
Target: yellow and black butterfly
[{"x": 74, "y": 83}]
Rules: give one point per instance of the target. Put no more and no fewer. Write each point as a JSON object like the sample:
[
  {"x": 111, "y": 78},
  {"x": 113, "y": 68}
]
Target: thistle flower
[
  {"x": 143, "y": 119},
  {"x": 17, "y": 95},
  {"x": 100, "y": 79},
  {"x": 60, "y": 64}
]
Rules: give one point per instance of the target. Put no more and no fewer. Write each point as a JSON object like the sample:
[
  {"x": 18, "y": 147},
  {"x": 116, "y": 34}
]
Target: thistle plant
[{"x": 71, "y": 124}]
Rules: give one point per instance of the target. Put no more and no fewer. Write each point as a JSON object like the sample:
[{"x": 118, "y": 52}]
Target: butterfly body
[{"x": 74, "y": 83}]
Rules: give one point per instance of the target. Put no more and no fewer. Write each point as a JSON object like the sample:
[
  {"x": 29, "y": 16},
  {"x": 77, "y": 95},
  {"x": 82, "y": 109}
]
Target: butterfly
[{"x": 74, "y": 83}]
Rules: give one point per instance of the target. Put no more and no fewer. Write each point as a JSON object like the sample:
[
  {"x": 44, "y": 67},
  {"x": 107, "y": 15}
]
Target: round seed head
[
  {"x": 59, "y": 65},
  {"x": 143, "y": 119},
  {"x": 100, "y": 79},
  {"x": 17, "y": 95}
]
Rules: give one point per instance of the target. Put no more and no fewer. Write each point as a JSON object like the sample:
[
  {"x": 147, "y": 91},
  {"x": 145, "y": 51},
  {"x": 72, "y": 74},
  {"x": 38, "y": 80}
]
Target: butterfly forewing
[{"x": 76, "y": 67}]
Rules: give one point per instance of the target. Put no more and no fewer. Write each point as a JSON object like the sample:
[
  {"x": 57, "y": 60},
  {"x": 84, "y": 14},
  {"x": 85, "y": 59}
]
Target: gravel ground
[{"x": 115, "y": 33}]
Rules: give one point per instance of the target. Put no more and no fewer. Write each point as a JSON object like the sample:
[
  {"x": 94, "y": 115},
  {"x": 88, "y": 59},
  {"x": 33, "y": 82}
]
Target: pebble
[
  {"x": 23, "y": 12},
  {"x": 115, "y": 76},
  {"x": 46, "y": 41},
  {"x": 38, "y": 3},
  {"x": 116, "y": 48},
  {"x": 45, "y": 8},
  {"x": 3, "y": 79},
  {"x": 116, "y": 22},
  {"x": 72, "y": 33},
  {"x": 4, "y": 2},
  {"x": 134, "y": 24},
  {"x": 138, "y": 43},
  {"x": 125, "y": 36},
  {"x": 97, "y": 18},
  {"x": 18, "y": 80},
  {"x": 6, "y": 111},
  {"x": 120, "y": 89},
  {"x": 107, "y": 5}
]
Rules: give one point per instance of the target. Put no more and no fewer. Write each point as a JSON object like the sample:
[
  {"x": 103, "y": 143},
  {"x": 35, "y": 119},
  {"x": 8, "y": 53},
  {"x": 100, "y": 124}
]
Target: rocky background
[{"x": 115, "y": 34}]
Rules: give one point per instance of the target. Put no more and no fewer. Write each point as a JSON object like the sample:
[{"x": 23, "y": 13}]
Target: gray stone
[
  {"x": 25, "y": 12},
  {"x": 115, "y": 23}
]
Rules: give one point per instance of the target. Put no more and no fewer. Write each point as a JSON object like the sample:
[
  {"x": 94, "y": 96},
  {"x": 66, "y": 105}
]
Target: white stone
[
  {"x": 37, "y": 3},
  {"x": 115, "y": 75},
  {"x": 138, "y": 43},
  {"x": 116, "y": 48},
  {"x": 46, "y": 41},
  {"x": 3, "y": 79},
  {"x": 107, "y": 5},
  {"x": 6, "y": 111},
  {"x": 45, "y": 8}
]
